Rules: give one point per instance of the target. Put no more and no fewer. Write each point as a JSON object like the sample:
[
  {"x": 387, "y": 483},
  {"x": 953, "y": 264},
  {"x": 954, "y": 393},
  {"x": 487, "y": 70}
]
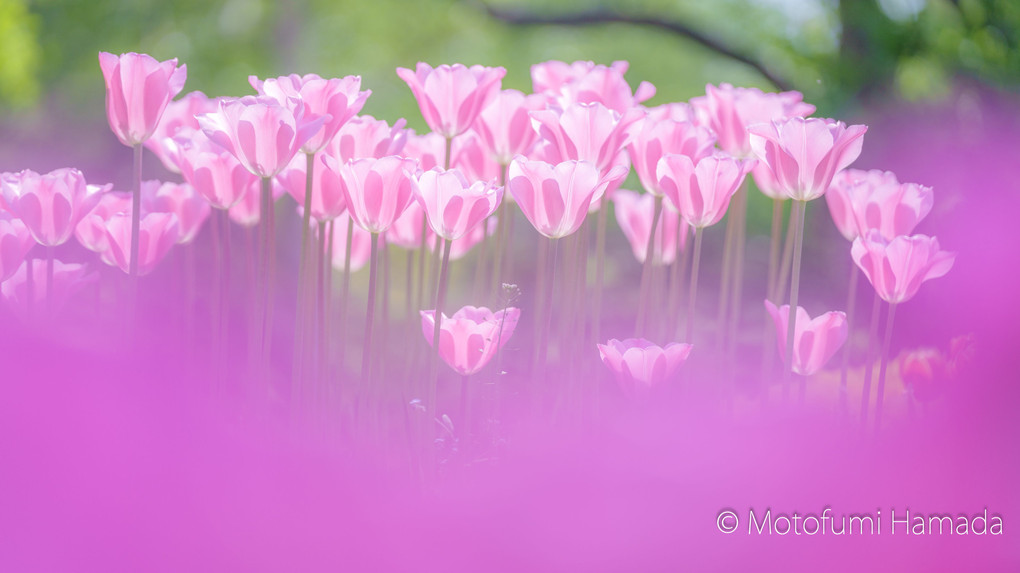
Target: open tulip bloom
[
  {"x": 897, "y": 268},
  {"x": 728, "y": 111},
  {"x": 470, "y": 338},
  {"x": 51, "y": 204},
  {"x": 815, "y": 340},
  {"x": 453, "y": 205},
  {"x": 138, "y": 90},
  {"x": 15, "y": 242},
  {"x": 451, "y": 97},
  {"x": 640, "y": 365}
]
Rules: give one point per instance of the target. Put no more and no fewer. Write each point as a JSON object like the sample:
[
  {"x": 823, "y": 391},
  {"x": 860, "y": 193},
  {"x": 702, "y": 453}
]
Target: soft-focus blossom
[
  {"x": 815, "y": 340},
  {"x": 68, "y": 279},
  {"x": 879, "y": 202},
  {"x": 91, "y": 230},
  {"x": 328, "y": 200},
  {"x": 260, "y": 132},
  {"x": 364, "y": 136},
  {"x": 840, "y": 201},
  {"x": 640, "y": 365},
  {"x": 588, "y": 82},
  {"x": 335, "y": 100},
  {"x": 469, "y": 157},
  {"x": 897, "y": 268},
  {"x": 405, "y": 232},
  {"x": 656, "y": 138},
  {"x": 361, "y": 244},
  {"x": 138, "y": 89},
  {"x": 15, "y": 243},
  {"x": 924, "y": 372},
  {"x": 676, "y": 111},
  {"x": 586, "y": 132},
  {"x": 470, "y": 338},
  {"x": 556, "y": 198},
  {"x": 158, "y": 232},
  {"x": 182, "y": 200},
  {"x": 214, "y": 172},
  {"x": 179, "y": 119},
  {"x": 428, "y": 150},
  {"x": 246, "y": 212},
  {"x": 51, "y": 204},
  {"x": 451, "y": 97},
  {"x": 377, "y": 190},
  {"x": 452, "y": 204},
  {"x": 504, "y": 126},
  {"x": 634, "y": 214},
  {"x": 805, "y": 154},
  {"x": 729, "y": 111},
  {"x": 701, "y": 191},
  {"x": 459, "y": 248}
]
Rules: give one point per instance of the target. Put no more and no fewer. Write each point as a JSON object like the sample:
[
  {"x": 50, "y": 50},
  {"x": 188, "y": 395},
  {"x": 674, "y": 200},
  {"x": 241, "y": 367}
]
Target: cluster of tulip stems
[{"x": 368, "y": 192}]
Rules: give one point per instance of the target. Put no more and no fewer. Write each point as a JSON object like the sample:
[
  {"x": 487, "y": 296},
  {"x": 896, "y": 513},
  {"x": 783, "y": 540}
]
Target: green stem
[
  {"x": 797, "y": 217},
  {"x": 366, "y": 356},
  {"x": 438, "y": 319},
  {"x": 851, "y": 300},
  {"x": 136, "y": 211},
  {"x": 737, "y": 290},
  {"x": 869, "y": 361},
  {"x": 646, "y": 269},
  {"x": 882, "y": 368},
  {"x": 691, "y": 306},
  {"x": 342, "y": 359}
]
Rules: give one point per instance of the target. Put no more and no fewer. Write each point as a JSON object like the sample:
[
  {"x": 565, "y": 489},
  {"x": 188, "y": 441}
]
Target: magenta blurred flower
[
  {"x": 361, "y": 244},
  {"x": 452, "y": 204},
  {"x": 50, "y": 205},
  {"x": 179, "y": 119},
  {"x": 246, "y": 211},
  {"x": 405, "y": 232},
  {"x": 815, "y": 340},
  {"x": 470, "y": 338},
  {"x": 804, "y": 155},
  {"x": 376, "y": 190},
  {"x": 675, "y": 111},
  {"x": 640, "y": 365},
  {"x": 879, "y": 202},
  {"x": 505, "y": 125},
  {"x": 586, "y": 132},
  {"x": 328, "y": 200},
  {"x": 15, "y": 243},
  {"x": 91, "y": 230},
  {"x": 587, "y": 82},
  {"x": 364, "y": 136},
  {"x": 214, "y": 172},
  {"x": 428, "y": 150},
  {"x": 68, "y": 279},
  {"x": 701, "y": 191},
  {"x": 158, "y": 232},
  {"x": 556, "y": 198},
  {"x": 182, "y": 200},
  {"x": 260, "y": 132},
  {"x": 335, "y": 101},
  {"x": 663, "y": 137},
  {"x": 468, "y": 155},
  {"x": 924, "y": 371},
  {"x": 634, "y": 214},
  {"x": 138, "y": 89},
  {"x": 451, "y": 97},
  {"x": 729, "y": 111},
  {"x": 897, "y": 268}
]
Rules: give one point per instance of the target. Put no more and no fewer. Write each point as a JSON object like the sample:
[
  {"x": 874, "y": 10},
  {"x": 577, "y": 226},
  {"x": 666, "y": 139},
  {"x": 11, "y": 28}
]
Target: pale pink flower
[
  {"x": 50, "y": 205},
  {"x": 364, "y": 136},
  {"x": 702, "y": 191},
  {"x": 376, "y": 190},
  {"x": 138, "y": 89},
  {"x": 640, "y": 365},
  {"x": 505, "y": 125},
  {"x": 15, "y": 243},
  {"x": 452, "y": 204},
  {"x": 470, "y": 338},
  {"x": 656, "y": 138},
  {"x": 897, "y": 268},
  {"x": 729, "y": 111},
  {"x": 182, "y": 200},
  {"x": 179, "y": 119},
  {"x": 634, "y": 214},
  {"x": 815, "y": 340},
  {"x": 451, "y": 97}
]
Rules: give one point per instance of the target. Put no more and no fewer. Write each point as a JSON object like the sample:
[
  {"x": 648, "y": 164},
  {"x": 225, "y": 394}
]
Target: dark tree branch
[{"x": 603, "y": 16}]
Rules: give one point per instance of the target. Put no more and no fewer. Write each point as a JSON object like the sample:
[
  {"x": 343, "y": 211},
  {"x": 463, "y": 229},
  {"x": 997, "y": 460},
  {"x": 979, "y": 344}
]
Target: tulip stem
[
  {"x": 851, "y": 299},
  {"x": 345, "y": 289},
  {"x": 49, "y": 282},
  {"x": 224, "y": 302},
  {"x": 366, "y": 354},
  {"x": 136, "y": 210},
  {"x": 437, "y": 325},
  {"x": 29, "y": 287},
  {"x": 876, "y": 309},
  {"x": 547, "y": 307},
  {"x": 797, "y": 219},
  {"x": 784, "y": 265},
  {"x": 698, "y": 233},
  {"x": 678, "y": 276},
  {"x": 301, "y": 316},
  {"x": 737, "y": 290},
  {"x": 775, "y": 236},
  {"x": 269, "y": 264},
  {"x": 646, "y": 269},
  {"x": 600, "y": 272},
  {"x": 321, "y": 316},
  {"x": 885, "y": 361},
  {"x": 501, "y": 229}
]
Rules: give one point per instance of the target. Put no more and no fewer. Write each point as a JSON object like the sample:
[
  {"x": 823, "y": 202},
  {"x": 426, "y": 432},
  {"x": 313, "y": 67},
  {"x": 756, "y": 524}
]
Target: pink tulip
[
  {"x": 52, "y": 204},
  {"x": 262, "y": 134},
  {"x": 468, "y": 155},
  {"x": 586, "y": 132},
  {"x": 505, "y": 125},
  {"x": 729, "y": 111},
  {"x": 364, "y": 136},
  {"x": 376, "y": 190},
  {"x": 246, "y": 212},
  {"x": 634, "y": 214},
  {"x": 179, "y": 119},
  {"x": 451, "y": 97},
  {"x": 889, "y": 207},
  {"x": 460, "y": 248},
  {"x": 15, "y": 243},
  {"x": 428, "y": 150},
  {"x": 180, "y": 199},
  {"x": 805, "y": 154},
  {"x": 68, "y": 279},
  {"x": 335, "y": 101},
  {"x": 214, "y": 172},
  {"x": 454, "y": 206},
  {"x": 556, "y": 198},
  {"x": 640, "y": 365},
  {"x": 91, "y": 231},
  {"x": 844, "y": 193},
  {"x": 138, "y": 89},
  {"x": 470, "y": 338},
  {"x": 676, "y": 111},
  {"x": 587, "y": 82},
  {"x": 767, "y": 184},
  {"x": 405, "y": 232},
  {"x": 157, "y": 234},
  {"x": 361, "y": 245},
  {"x": 662, "y": 137},
  {"x": 328, "y": 200},
  {"x": 815, "y": 340},
  {"x": 701, "y": 191},
  {"x": 897, "y": 268}
]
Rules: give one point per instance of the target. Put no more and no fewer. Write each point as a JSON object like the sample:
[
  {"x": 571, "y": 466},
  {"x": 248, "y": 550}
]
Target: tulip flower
[
  {"x": 640, "y": 365},
  {"x": 470, "y": 338},
  {"x": 91, "y": 230},
  {"x": 729, "y": 111},
  {"x": 327, "y": 195},
  {"x": 451, "y": 97},
  {"x": 159, "y": 232},
  {"x": 180, "y": 199},
  {"x": 468, "y": 155},
  {"x": 587, "y": 82},
  {"x": 406, "y": 230},
  {"x": 556, "y": 198},
  {"x": 664, "y": 137},
  {"x": 376, "y": 190},
  {"x": 138, "y": 89},
  {"x": 891, "y": 208},
  {"x": 179, "y": 120},
  {"x": 50, "y": 205},
  {"x": 505, "y": 125},
  {"x": 634, "y": 215},
  {"x": 815, "y": 341},
  {"x": 428, "y": 150},
  {"x": 15, "y": 243},
  {"x": 364, "y": 136},
  {"x": 67, "y": 279},
  {"x": 453, "y": 205},
  {"x": 214, "y": 172},
  {"x": 586, "y": 132},
  {"x": 336, "y": 101},
  {"x": 361, "y": 245}
]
